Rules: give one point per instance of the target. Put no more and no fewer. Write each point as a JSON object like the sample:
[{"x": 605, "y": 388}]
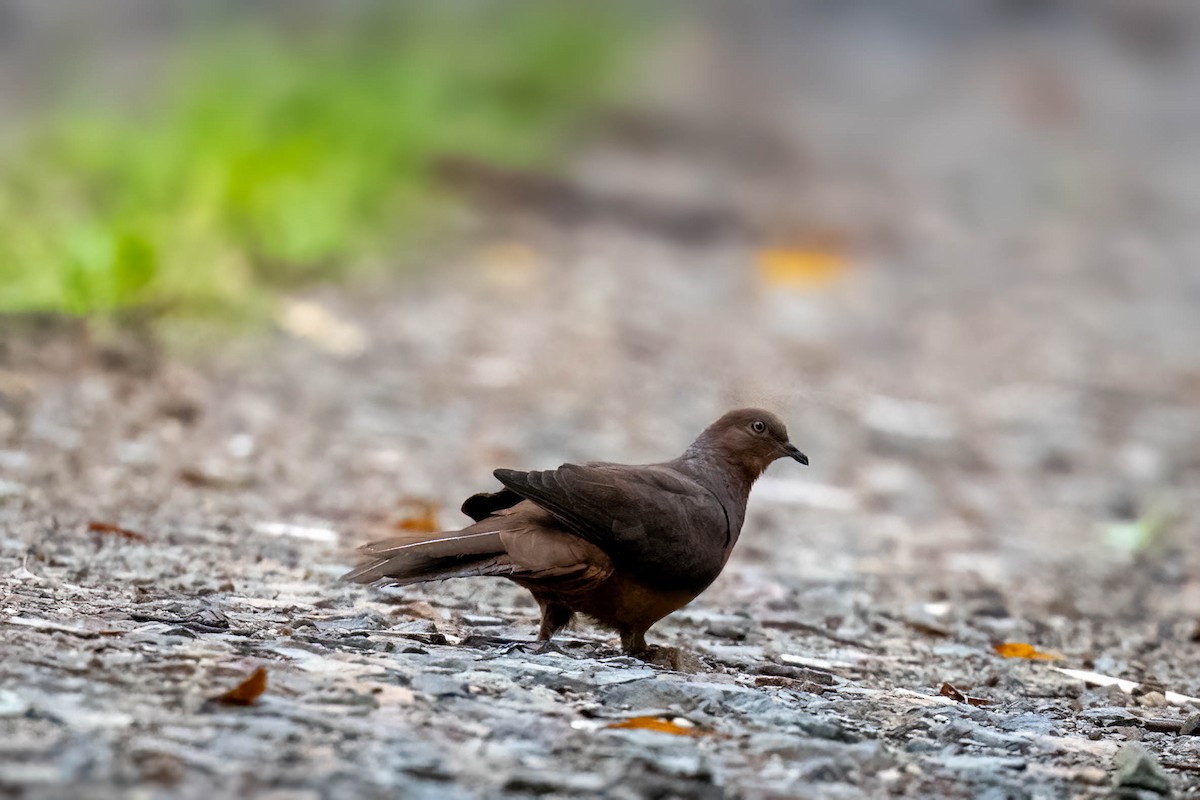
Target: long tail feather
[
  {"x": 441, "y": 545},
  {"x": 413, "y": 558},
  {"x": 498, "y": 566}
]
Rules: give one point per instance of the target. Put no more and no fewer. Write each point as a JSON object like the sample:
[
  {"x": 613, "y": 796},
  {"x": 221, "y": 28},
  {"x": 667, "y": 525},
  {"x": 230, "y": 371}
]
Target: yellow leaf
[
  {"x": 799, "y": 268},
  {"x": 1023, "y": 650},
  {"x": 677, "y": 727}
]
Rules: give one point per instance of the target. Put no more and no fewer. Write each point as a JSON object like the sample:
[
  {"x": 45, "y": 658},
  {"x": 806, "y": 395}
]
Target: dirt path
[{"x": 979, "y": 331}]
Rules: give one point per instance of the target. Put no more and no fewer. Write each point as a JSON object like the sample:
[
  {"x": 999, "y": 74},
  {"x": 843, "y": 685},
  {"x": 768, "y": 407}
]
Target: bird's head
[{"x": 750, "y": 438}]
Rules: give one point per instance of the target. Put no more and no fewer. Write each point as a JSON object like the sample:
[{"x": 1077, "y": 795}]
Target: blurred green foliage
[{"x": 267, "y": 159}]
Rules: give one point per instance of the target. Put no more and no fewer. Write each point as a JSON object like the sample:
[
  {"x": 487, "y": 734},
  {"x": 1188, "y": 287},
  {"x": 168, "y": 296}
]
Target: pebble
[
  {"x": 438, "y": 685},
  {"x": 11, "y": 489},
  {"x": 992, "y": 764},
  {"x": 1152, "y": 700},
  {"x": 11, "y": 704},
  {"x": 1135, "y": 768}
]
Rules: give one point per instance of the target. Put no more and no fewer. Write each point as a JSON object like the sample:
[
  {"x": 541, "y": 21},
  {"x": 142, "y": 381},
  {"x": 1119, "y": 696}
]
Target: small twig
[
  {"x": 115, "y": 530},
  {"x": 1156, "y": 725},
  {"x": 54, "y": 627}
]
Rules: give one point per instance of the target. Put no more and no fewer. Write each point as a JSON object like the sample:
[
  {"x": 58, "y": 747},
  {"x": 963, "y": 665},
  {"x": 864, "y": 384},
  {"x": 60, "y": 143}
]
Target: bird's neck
[{"x": 729, "y": 478}]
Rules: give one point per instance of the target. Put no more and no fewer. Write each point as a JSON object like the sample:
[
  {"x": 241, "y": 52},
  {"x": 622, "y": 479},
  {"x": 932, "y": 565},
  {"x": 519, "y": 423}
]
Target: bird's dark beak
[{"x": 791, "y": 450}]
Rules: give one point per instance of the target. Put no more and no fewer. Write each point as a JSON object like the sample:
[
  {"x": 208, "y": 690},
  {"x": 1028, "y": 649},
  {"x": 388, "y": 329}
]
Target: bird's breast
[{"x": 627, "y": 603}]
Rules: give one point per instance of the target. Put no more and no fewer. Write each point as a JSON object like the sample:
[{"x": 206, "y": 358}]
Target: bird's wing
[{"x": 648, "y": 518}]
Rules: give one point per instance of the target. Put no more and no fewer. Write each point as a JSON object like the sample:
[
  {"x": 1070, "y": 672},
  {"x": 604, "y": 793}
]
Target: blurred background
[
  {"x": 199, "y": 155},
  {"x": 334, "y": 259},
  {"x": 951, "y": 243}
]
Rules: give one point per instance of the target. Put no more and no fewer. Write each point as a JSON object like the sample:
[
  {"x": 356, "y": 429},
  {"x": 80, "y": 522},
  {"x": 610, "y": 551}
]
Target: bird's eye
[{"x": 758, "y": 426}]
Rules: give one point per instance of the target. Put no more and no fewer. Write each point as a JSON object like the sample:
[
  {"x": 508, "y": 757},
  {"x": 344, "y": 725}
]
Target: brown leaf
[
  {"x": 116, "y": 530},
  {"x": 246, "y": 692},
  {"x": 659, "y": 724},
  {"x": 954, "y": 694},
  {"x": 1024, "y": 650},
  {"x": 948, "y": 690}
]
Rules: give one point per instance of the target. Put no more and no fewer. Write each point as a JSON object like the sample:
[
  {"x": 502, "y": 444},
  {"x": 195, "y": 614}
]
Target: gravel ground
[{"x": 988, "y": 350}]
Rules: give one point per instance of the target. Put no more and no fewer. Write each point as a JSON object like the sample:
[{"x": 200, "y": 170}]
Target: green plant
[{"x": 266, "y": 160}]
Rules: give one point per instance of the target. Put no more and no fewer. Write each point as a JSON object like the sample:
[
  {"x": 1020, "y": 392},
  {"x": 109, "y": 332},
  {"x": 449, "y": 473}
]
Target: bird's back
[{"x": 656, "y": 523}]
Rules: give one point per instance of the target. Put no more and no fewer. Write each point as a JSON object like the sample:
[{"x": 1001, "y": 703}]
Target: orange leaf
[
  {"x": 1023, "y": 650},
  {"x": 799, "y": 268},
  {"x": 246, "y": 692},
  {"x": 658, "y": 724},
  {"x": 124, "y": 533},
  {"x": 423, "y": 517}
]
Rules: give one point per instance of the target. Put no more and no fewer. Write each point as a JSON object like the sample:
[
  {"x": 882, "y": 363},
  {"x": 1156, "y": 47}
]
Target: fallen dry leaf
[
  {"x": 675, "y": 727},
  {"x": 246, "y": 692},
  {"x": 958, "y": 696},
  {"x": 116, "y": 530},
  {"x": 799, "y": 268},
  {"x": 1024, "y": 650},
  {"x": 422, "y": 517}
]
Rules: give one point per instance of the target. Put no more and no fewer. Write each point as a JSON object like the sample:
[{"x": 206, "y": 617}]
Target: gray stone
[
  {"x": 1109, "y": 715},
  {"x": 1029, "y": 723},
  {"x": 797, "y": 673},
  {"x": 488, "y": 683},
  {"x": 794, "y": 747},
  {"x": 613, "y": 677},
  {"x": 368, "y": 621},
  {"x": 1135, "y": 768},
  {"x": 12, "y": 704},
  {"x": 551, "y": 782},
  {"x": 9, "y": 489},
  {"x": 986, "y": 764},
  {"x": 649, "y": 693},
  {"x": 438, "y": 685}
]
